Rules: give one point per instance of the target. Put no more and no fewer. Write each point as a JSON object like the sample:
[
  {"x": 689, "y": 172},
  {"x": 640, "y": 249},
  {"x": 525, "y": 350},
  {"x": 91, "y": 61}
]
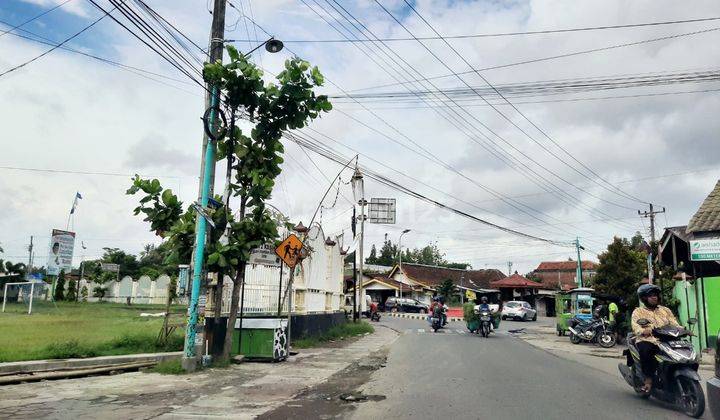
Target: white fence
[{"x": 143, "y": 290}]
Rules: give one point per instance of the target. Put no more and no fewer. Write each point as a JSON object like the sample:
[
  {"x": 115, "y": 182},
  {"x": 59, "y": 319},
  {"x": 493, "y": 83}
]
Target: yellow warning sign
[
  {"x": 470, "y": 295},
  {"x": 289, "y": 250}
]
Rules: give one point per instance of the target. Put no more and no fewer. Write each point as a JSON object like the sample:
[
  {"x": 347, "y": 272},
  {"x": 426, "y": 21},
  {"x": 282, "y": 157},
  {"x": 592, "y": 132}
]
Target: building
[
  {"x": 697, "y": 284},
  {"x": 562, "y": 275},
  {"x": 421, "y": 281}
]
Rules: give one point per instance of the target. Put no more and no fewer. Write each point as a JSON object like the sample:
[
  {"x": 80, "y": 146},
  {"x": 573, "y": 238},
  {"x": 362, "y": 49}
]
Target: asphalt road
[{"x": 456, "y": 375}]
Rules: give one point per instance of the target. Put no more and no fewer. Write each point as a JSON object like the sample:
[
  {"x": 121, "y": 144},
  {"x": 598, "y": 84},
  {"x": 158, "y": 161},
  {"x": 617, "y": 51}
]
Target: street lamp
[
  {"x": 272, "y": 45},
  {"x": 400, "y": 256}
]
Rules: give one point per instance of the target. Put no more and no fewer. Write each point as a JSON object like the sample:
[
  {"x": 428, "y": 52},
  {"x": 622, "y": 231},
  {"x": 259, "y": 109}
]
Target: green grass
[
  {"x": 338, "y": 332},
  {"x": 81, "y": 330},
  {"x": 168, "y": 367}
]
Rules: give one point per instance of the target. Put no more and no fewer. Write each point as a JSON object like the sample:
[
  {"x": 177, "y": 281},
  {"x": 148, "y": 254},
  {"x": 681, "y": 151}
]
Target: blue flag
[{"x": 75, "y": 202}]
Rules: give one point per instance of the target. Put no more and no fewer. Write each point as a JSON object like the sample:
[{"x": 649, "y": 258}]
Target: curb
[
  {"x": 421, "y": 317},
  {"x": 36, "y": 366}
]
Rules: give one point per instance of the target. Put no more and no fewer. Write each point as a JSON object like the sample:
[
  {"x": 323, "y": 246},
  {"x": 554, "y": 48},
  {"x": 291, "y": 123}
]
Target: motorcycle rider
[
  {"x": 484, "y": 306},
  {"x": 659, "y": 316}
]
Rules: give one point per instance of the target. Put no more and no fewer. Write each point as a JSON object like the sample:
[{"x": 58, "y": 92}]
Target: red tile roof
[
  {"x": 565, "y": 266},
  {"x": 432, "y": 276},
  {"x": 515, "y": 281}
]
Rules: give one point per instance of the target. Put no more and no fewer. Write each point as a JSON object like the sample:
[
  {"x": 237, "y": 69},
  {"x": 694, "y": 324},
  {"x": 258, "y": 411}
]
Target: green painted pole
[{"x": 579, "y": 263}]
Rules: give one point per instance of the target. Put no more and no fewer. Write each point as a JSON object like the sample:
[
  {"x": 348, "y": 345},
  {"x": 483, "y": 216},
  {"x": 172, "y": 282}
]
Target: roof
[
  {"x": 565, "y": 266},
  {"x": 680, "y": 232},
  {"x": 515, "y": 281},
  {"x": 432, "y": 276},
  {"x": 392, "y": 283},
  {"x": 707, "y": 218}
]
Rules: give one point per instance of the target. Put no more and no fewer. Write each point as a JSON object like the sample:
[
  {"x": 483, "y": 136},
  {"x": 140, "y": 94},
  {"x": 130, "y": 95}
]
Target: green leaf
[
  {"x": 317, "y": 76},
  {"x": 233, "y": 53},
  {"x": 168, "y": 197}
]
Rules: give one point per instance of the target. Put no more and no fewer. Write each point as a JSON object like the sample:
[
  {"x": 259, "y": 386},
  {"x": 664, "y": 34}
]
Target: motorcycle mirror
[{"x": 643, "y": 322}]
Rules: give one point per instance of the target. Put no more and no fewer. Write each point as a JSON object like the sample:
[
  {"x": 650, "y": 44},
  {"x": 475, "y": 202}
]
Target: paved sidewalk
[{"x": 239, "y": 392}]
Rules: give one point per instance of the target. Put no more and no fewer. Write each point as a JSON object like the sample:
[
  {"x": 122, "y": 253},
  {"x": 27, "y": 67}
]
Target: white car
[{"x": 519, "y": 310}]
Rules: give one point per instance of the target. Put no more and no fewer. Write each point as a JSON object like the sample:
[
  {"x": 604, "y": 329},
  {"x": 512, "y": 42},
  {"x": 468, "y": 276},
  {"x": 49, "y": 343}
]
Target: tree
[
  {"x": 84, "y": 293},
  {"x": 446, "y": 289},
  {"x": 60, "y": 287},
  {"x": 620, "y": 271},
  {"x": 372, "y": 258},
  {"x": 71, "y": 295},
  {"x": 100, "y": 290},
  {"x": 128, "y": 263},
  {"x": 253, "y": 159}
]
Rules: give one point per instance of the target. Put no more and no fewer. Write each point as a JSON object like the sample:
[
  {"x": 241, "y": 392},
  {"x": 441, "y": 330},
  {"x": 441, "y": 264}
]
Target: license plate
[{"x": 485, "y": 318}]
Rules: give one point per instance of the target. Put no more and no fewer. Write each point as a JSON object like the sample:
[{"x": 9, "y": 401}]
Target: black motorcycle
[
  {"x": 485, "y": 318},
  {"x": 438, "y": 318},
  {"x": 676, "y": 380},
  {"x": 595, "y": 330}
]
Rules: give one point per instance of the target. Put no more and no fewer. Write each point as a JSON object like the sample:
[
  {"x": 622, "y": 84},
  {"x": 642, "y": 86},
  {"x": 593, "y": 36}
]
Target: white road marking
[
  {"x": 460, "y": 331},
  {"x": 421, "y": 330}
]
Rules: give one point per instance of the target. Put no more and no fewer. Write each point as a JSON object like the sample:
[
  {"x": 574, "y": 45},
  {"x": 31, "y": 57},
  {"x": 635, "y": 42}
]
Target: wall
[
  {"x": 685, "y": 292},
  {"x": 711, "y": 289}
]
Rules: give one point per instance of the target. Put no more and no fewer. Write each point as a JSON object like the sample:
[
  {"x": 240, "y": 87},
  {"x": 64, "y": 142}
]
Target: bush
[
  {"x": 71, "y": 296},
  {"x": 99, "y": 292},
  {"x": 338, "y": 332},
  {"x": 84, "y": 293},
  {"x": 168, "y": 367},
  {"x": 60, "y": 287},
  {"x": 469, "y": 314},
  {"x": 67, "y": 350}
]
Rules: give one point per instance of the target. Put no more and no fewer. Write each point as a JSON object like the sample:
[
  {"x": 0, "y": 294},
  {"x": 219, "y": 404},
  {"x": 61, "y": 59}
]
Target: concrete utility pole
[
  {"x": 359, "y": 191},
  {"x": 578, "y": 272},
  {"x": 651, "y": 214},
  {"x": 207, "y": 175},
  {"x": 30, "y": 258},
  {"x": 510, "y": 264}
]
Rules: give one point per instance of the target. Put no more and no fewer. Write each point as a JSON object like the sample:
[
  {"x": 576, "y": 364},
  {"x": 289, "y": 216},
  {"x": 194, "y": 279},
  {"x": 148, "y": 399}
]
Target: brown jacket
[{"x": 658, "y": 317}]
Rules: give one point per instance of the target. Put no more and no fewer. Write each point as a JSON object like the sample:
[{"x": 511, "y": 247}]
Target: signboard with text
[
  {"x": 382, "y": 211},
  {"x": 705, "y": 249},
  {"x": 60, "y": 254}
]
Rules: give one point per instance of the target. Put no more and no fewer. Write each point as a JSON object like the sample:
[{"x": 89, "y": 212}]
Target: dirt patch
[{"x": 336, "y": 395}]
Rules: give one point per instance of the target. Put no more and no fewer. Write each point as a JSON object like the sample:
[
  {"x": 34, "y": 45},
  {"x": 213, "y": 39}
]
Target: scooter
[
  {"x": 676, "y": 380},
  {"x": 595, "y": 330},
  {"x": 437, "y": 319}
]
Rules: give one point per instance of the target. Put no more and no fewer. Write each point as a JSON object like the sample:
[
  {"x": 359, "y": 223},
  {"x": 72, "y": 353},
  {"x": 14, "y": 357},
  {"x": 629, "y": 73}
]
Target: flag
[{"x": 75, "y": 202}]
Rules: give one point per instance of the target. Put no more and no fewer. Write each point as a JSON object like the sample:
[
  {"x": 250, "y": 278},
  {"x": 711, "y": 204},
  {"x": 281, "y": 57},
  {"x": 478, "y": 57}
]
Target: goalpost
[{"x": 24, "y": 292}]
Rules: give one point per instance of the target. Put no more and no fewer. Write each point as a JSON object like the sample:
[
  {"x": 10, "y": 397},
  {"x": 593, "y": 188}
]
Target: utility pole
[
  {"x": 359, "y": 191},
  {"x": 651, "y": 214},
  {"x": 30, "y": 258},
  {"x": 578, "y": 271},
  {"x": 510, "y": 264},
  {"x": 462, "y": 294},
  {"x": 207, "y": 175}
]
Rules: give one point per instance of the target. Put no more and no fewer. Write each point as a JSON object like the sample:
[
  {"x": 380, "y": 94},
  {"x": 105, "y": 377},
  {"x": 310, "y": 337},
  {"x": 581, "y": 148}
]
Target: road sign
[
  {"x": 382, "y": 211},
  {"x": 289, "y": 250},
  {"x": 705, "y": 249},
  {"x": 470, "y": 295}
]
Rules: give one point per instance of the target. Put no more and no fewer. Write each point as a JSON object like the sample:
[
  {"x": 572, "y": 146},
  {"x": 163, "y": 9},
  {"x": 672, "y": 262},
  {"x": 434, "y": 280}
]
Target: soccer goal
[{"x": 22, "y": 294}]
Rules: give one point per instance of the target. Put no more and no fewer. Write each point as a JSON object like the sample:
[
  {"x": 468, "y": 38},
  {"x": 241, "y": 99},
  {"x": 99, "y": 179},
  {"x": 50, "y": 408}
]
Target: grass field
[{"x": 81, "y": 330}]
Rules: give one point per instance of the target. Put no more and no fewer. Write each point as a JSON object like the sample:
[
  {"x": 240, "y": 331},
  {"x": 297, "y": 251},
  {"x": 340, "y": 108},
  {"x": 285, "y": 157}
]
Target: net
[{"x": 19, "y": 297}]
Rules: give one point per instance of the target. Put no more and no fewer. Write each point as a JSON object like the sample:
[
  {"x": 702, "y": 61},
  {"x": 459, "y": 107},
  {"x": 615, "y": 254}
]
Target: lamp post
[
  {"x": 358, "y": 188},
  {"x": 400, "y": 257}
]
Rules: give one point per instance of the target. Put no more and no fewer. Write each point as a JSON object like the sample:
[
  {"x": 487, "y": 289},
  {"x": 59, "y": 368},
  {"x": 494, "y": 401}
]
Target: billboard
[
  {"x": 382, "y": 211},
  {"x": 62, "y": 244}
]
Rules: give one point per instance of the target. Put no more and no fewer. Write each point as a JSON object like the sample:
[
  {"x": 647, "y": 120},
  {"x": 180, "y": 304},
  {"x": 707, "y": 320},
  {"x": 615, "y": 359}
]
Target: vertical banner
[{"x": 60, "y": 254}]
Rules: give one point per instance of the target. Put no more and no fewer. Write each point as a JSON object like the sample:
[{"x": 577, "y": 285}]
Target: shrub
[
  {"x": 168, "y": 367},
  {"x": 60, "y": 287},
  {"x": 67, "y": 350},
  {"x": 469, "y": 314},
  {"x": 71, "y": 295},
  {"x": 84, "y": 293}
]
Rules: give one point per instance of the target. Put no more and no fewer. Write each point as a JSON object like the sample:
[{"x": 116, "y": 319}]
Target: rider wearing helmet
[{"x": 659, "y": 316}]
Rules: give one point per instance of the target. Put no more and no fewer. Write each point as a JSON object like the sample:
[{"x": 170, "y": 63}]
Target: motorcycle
[
  {"x": 485, "y": 317},
  {"x": 596, "y": 330},
  {"x": 375, "y": 316},
  {"x": 676, "y": 380},
  {"x": 437, "y": 320}
]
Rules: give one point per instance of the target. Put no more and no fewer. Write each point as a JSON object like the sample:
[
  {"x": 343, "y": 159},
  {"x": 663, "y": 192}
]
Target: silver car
[{"x": 519, "y": 310}]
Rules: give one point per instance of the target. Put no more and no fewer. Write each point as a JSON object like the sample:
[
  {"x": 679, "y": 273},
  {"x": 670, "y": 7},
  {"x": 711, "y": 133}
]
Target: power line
[
  {"x": 614, "y": 189},
  {"x": 501, "y": 34},
  {"x": 59, "y": 5},
  {"x": 555, "y": 57},
  {"x": 70, "y": 38}
]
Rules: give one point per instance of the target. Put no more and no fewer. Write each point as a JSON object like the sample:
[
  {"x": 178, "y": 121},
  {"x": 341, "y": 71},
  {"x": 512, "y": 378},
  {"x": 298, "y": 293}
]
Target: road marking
[
  {"x": 460, "y": 331},
  {"x": 421, "y": 330}
]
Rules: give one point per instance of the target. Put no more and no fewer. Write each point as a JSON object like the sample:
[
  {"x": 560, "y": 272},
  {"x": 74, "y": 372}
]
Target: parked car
[
  {"x": 713, "y": 385},
  {"x": 519, "y": 310},
  {"x": 396, "y": 304}
]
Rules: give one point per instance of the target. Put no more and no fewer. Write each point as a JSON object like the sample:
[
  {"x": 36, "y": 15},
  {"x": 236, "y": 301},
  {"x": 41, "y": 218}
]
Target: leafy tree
[
  {"x": 16, "y": 268},
  {"x": 99, "y": 292},
  {"x": 60, "y": 287},
  {"x": 446, "y": 289},
  {"x": 71, "y": 295},
  {"x": 129, "y": 265},
  {"x": 372, "y": 258},
  {"x": 254, "y": 158},
  {"x": 460, "y": 266}
]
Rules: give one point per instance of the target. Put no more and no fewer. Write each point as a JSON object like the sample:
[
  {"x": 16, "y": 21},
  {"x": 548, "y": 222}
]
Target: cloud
[
  {"x": 154, "y": 152},
  {"x": 75, "y": 7}
]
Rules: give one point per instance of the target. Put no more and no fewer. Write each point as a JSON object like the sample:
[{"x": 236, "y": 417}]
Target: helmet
[
  {"x": 646, "y": 290},
  {"x": 484, "y": 299}
]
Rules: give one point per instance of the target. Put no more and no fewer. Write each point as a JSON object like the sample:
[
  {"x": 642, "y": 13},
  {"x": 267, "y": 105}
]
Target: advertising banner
[{"x": 60, "y": 254}]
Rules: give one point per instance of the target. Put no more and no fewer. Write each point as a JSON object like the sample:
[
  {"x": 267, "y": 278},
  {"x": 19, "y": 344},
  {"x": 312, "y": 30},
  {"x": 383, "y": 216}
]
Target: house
[
  {"x": 420, "y": 281},
  {"x": 561, "y": 275},
  {"x": 694, "y": 251}
]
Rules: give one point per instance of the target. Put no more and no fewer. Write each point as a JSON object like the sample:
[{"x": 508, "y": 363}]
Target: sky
[{"x": 556, "y": 167}]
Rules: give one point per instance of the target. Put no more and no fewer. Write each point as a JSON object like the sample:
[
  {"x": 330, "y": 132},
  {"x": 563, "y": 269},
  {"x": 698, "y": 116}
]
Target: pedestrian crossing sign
[{"x": 289, "y": 250}]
